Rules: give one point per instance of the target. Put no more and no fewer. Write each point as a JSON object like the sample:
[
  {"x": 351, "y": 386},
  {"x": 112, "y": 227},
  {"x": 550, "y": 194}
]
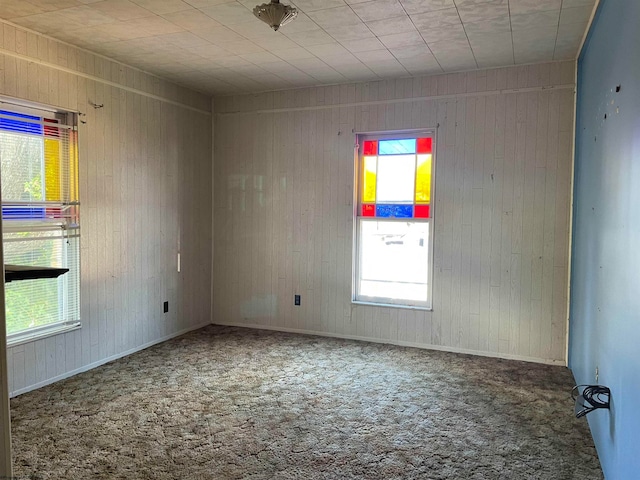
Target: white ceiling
[{"x": 219, "y": 47}]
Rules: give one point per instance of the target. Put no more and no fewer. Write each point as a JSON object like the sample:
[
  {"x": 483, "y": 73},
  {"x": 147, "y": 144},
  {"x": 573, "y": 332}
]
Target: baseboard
[
  {"x": 93, "y": 365},
  {"x": 401, "y": 343}
]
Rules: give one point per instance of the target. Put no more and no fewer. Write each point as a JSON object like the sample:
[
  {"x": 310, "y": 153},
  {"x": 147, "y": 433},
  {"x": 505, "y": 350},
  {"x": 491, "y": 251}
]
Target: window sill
[
  {"x": 31, "y": 336},
  {"x": 391, "y": 305}
]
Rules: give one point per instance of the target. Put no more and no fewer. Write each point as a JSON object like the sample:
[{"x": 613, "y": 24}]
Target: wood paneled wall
[
  {"x": 283, "y": 209},
  {"x": 145, "y": 191},
  {"x": 6, "y": 470}
]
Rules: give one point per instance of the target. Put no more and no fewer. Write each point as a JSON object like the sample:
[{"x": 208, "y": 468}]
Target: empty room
[{"x": 333, "y": 239}]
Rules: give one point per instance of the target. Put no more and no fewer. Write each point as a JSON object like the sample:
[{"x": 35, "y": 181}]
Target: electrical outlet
[
  {"x": 296, "y": 300},
  {"x": 596, "y": 374},
  {"x": 166, "y": 307}
]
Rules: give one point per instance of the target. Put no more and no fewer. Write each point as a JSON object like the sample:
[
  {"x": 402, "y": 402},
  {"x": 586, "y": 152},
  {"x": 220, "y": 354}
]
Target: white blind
[{"x": 40, "y": 212}]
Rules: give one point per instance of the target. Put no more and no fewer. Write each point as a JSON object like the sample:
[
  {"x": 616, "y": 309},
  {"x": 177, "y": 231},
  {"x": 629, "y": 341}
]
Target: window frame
[
  {"x": 360, "y": 138},
  {"x": 67, "y": 120}
]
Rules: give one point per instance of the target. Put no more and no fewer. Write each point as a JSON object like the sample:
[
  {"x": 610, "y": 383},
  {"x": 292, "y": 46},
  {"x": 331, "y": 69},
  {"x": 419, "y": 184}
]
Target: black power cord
[{"x": 592, "y": 398}]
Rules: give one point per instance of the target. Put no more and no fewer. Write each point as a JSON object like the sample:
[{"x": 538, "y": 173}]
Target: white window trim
[
  {"x": 33, "y": 334},
  {"x": 356, "y": 252}
]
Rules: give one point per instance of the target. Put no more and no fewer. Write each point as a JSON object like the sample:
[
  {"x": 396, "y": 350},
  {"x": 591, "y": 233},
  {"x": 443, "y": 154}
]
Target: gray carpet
[{"x": 229, "y": 403}]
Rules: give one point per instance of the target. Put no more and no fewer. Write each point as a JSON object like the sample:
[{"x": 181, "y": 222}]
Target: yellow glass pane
[
  {"x": 369, "y": 180},
  {"x": 52, "y": 169},
  {"x": 423, "y": 179},
  {"x": 73, "y": 166}
]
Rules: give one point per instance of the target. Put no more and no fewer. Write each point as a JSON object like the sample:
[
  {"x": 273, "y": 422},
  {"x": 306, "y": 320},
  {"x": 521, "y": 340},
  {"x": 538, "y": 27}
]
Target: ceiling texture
[{"x": 219, "y": 47}]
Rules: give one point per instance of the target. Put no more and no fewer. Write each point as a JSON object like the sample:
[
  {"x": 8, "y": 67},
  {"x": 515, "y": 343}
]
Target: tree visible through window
[
  {"x": 38, "y": 158},
  {"x": 394, "y": 229}
]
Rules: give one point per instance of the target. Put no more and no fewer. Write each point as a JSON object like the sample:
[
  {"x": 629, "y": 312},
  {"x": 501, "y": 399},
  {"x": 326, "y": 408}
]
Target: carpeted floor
[{"x": 228, "y": 403}]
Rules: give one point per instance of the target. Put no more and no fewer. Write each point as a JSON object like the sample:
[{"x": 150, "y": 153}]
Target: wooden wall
[
  {"x": 283, "y": 209},
  {"x": 145, "y": 188},
  {"x": 6, "y": 470}
]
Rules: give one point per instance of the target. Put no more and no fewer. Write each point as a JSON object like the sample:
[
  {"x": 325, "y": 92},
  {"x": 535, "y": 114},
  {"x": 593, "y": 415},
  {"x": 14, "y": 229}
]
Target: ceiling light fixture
[{"x": 275, "y": 14}]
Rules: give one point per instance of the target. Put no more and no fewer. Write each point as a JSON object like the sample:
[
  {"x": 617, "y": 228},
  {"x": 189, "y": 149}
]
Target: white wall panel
[
  {"x": 145, "y": 185},
  {"x": 6, "y": 470},
  {"x": 283, "y": 209}
]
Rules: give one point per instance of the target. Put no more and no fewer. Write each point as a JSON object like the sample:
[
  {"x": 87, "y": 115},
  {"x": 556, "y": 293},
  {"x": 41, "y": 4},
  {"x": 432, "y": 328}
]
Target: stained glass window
[
  {"x": 396, "y": 177},
  {"x": 394, "y": 221},
  {"x": 34, "y": 151}
]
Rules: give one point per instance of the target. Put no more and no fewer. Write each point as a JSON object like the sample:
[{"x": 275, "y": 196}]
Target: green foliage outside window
[{"x": 22, "y": 158}]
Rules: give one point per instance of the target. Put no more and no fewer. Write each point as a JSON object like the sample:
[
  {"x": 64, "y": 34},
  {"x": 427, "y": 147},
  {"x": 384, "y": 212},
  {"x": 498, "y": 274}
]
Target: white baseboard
[
  {"x": 401, "y": 343},
  {"x": 93, "y": 365}
]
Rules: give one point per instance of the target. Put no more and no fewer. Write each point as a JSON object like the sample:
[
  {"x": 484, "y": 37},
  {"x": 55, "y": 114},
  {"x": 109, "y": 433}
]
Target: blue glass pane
[
  {"x": 16, "y": 125},
  {"x": 397, "y": 147},
  {"x": 394, "y": 211},
  {"x": 22, "y": 213},
  {"x": 19, "y": 115}
]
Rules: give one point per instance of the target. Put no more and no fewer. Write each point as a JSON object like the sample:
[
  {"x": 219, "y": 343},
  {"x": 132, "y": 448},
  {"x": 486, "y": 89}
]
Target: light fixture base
[{"x": 275, "y": 14}]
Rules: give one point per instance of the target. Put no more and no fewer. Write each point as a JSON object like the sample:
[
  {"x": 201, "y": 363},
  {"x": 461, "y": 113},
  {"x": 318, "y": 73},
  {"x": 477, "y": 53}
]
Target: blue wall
[{"x": 605, "y": 285}]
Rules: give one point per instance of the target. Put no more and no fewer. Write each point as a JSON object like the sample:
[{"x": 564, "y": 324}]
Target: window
[
  {"x": 394, "y": 228},
  {"x": 40, "y": 213}
]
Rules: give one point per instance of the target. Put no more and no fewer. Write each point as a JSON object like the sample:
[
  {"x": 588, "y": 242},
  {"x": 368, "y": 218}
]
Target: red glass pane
[
  {"x": 51, "y": 131},
  {"x": 53, "y": 212},
  {"x": 422, "y": 211},
  {"x": 424, "y": 145},
  {"x": 370, "y": 147},
  {"x": 368, "y": 210}
]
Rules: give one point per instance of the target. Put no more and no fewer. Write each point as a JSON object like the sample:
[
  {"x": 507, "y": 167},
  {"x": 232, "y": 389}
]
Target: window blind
[{"x": 40, "y": 212}]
